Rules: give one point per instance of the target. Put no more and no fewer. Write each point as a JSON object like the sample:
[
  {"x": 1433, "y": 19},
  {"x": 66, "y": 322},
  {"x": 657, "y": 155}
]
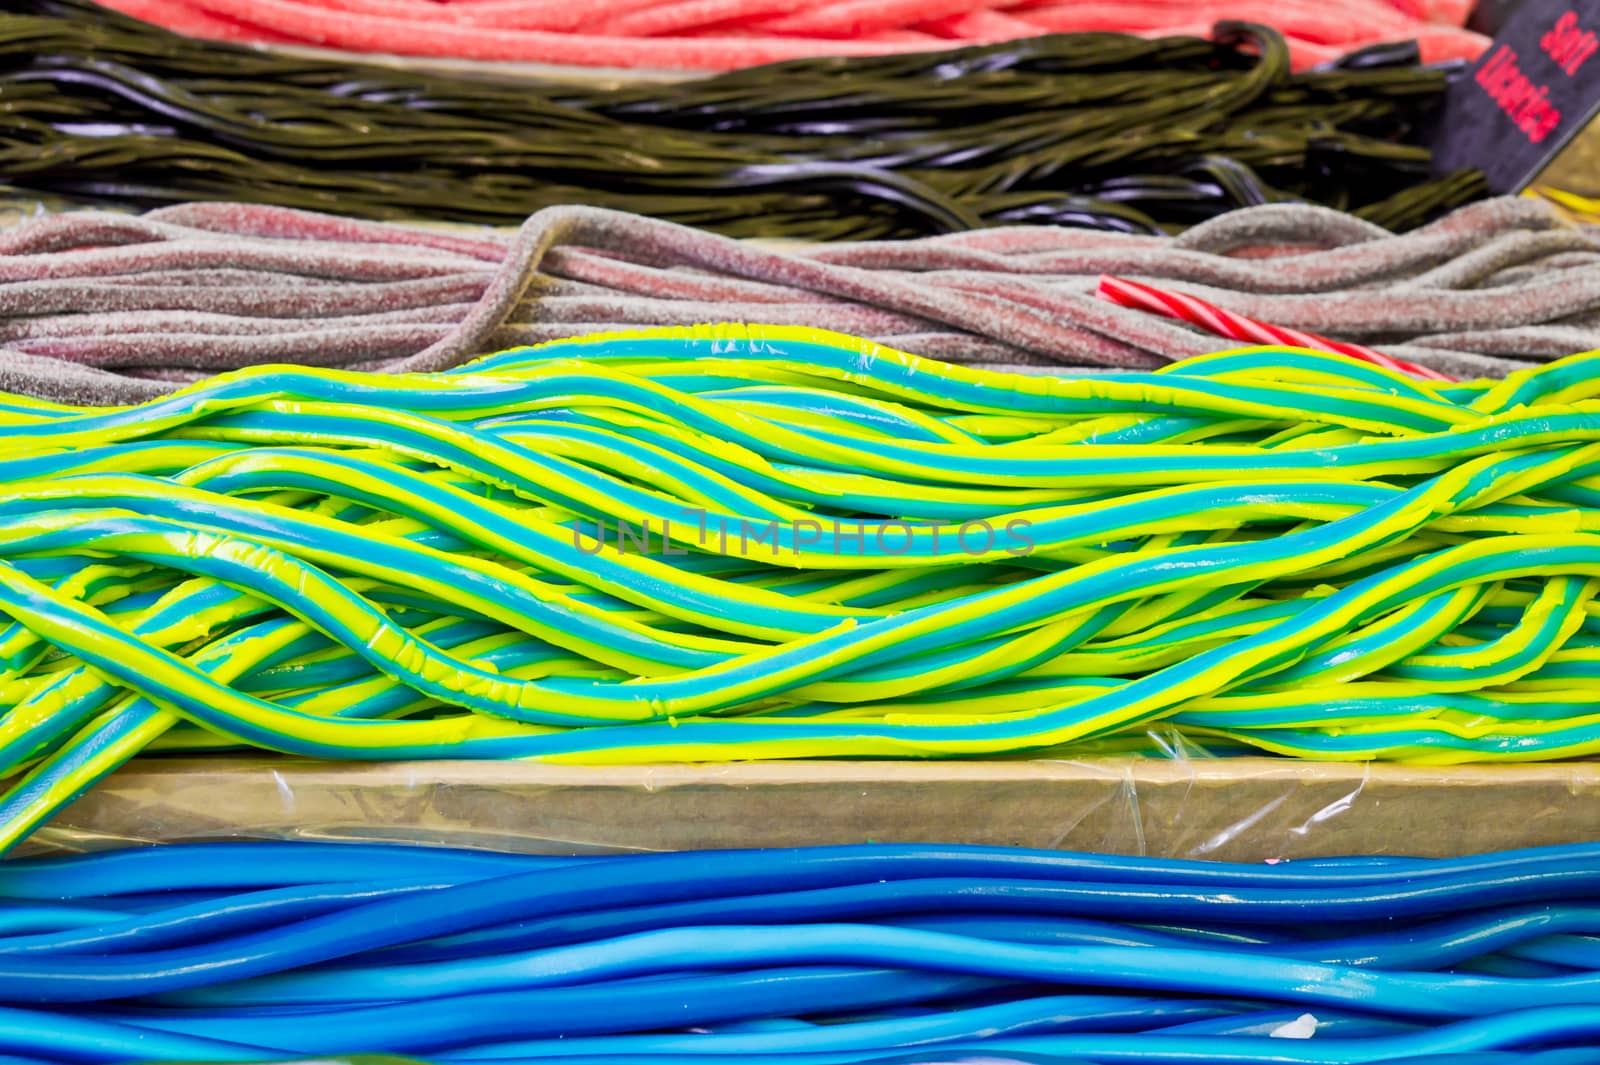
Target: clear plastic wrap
[{"x": 1191, "y": 805}]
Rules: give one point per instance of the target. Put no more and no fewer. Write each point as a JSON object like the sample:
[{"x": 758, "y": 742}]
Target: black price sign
[{"x": 1536, "y": 88}]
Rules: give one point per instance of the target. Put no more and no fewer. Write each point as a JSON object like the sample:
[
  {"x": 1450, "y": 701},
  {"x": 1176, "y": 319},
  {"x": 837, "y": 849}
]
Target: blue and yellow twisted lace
[{"x": 741, "y": 543}]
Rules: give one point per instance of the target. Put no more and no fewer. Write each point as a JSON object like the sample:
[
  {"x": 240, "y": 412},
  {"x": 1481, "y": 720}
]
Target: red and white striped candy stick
[{"x": 1214, "y": 319}]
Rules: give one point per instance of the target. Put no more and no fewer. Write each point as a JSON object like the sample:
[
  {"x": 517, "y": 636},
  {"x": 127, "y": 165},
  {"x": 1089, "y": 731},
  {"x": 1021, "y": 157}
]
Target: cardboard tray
[{"x": 1239, "y": 809}]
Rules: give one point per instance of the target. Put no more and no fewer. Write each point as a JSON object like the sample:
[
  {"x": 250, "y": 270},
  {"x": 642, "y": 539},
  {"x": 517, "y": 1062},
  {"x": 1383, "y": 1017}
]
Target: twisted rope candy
[
  {"x": 1214, "y": 319},
  {"x": 256, "y": 952},
  {"x": 836, "y": 550}
]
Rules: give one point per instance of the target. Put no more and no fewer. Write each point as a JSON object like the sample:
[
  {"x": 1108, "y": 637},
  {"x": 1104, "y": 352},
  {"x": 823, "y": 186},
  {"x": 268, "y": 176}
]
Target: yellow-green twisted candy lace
[{"x": 741, "y": 543}]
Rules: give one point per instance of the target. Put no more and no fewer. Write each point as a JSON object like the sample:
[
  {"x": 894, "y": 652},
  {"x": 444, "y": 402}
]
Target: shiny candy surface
[
  {"x": 235, "y": 952},
  {"x": 733, "y": 543},
  {"x": 1101, "y": 130}
]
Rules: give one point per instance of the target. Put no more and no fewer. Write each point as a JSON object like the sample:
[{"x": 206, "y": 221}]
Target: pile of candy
[
  {"x": 733, "y": 544},
  {"x": 724, "y": 34},
  {"x": 911, "y": 954},
  {"x": 109, "y": 308},
  {"x": 1106, "y": 130}
]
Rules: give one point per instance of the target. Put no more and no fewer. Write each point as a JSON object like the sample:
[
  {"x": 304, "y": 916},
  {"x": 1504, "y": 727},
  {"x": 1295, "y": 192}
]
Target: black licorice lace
[{"x": 1099, "y": 130}]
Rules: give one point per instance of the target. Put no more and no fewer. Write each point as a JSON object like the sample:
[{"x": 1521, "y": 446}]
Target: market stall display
[{"x": 595, "y": 533}]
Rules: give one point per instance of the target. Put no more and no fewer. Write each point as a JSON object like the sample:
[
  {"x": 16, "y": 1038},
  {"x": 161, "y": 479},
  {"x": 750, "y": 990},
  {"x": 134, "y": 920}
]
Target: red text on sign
[
  {"x": 1568, "y": 43},
  {"x": 1526, "y": 104}
]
